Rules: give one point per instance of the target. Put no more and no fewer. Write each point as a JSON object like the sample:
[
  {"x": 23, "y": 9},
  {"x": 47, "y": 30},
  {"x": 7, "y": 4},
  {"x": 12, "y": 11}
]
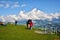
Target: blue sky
[{"x": 8, "y": 7}]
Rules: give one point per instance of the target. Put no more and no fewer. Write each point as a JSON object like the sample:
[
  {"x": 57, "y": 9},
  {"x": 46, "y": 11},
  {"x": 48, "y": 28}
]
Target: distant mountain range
[{"x": 38, "y": 17}]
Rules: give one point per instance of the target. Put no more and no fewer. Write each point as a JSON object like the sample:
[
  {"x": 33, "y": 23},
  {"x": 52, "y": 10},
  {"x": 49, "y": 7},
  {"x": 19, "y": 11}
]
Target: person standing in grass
[
  {"x": 58, "y": 32},
  {"x": 29, "y": 24},
  {"x": 15, "y": 22}
]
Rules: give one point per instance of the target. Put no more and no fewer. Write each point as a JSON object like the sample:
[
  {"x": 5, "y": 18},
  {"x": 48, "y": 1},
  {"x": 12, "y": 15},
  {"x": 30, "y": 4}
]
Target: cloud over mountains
[
  {"x": 34, "y": 14},
  {"x": 10, "y": 4}
]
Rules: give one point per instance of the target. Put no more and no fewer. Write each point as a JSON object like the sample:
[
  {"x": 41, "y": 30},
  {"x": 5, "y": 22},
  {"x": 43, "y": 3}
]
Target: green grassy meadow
[{"x": 19, "y": 32}]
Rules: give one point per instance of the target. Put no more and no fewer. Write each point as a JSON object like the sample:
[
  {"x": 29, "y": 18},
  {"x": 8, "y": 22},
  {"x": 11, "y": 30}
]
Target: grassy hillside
[{"x": 19, "y": 32}]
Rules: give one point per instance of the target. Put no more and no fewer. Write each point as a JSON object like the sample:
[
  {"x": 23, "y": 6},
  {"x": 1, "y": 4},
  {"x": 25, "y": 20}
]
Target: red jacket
[{"x": 31, "y": 24}]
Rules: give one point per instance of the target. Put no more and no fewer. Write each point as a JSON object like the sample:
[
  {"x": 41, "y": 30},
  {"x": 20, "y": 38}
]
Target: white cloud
[
  {"x": 56, "y": 15},
  {"x": 11, "y": 18},
  {"x": 23, "y": 15},
  {"x": 15, "y": 5},
  {"x": 2, "y": 19},
  {"x": 4, "y": 4},
  {"x": 23, "y": 5},
  {"x": 1, "y": 5},
  {"x": 7, "y": 5}
]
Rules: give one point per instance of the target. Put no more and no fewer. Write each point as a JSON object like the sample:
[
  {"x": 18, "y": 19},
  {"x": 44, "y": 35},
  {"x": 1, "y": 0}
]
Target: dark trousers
[{"x": 58, "y": 34}]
